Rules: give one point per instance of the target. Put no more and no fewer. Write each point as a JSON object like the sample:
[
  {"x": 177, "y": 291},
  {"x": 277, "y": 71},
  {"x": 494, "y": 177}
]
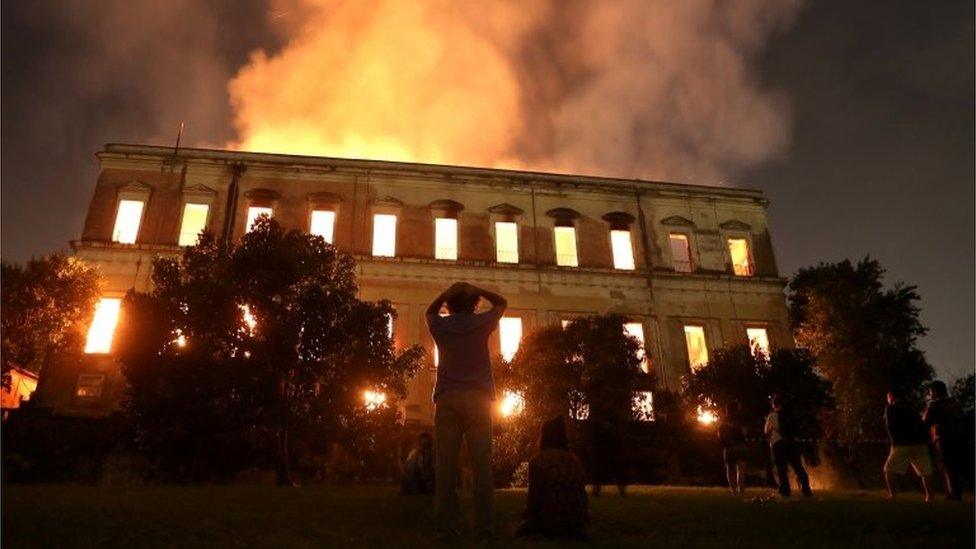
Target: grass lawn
[{"x": 264, "y": 516}]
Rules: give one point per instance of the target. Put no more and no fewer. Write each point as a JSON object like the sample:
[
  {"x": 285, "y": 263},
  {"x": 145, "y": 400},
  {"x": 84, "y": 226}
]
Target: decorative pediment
[
  {"x": 201, "y": 191},
  {"x": 323, "y": 198},
  {"x": 735, "y": 225},
  {"x": 563, "y": 214},
  {"x": 261, "y": 194},
  {"x": 505, "y": 209},
  {"x": 677, "y": 221},
  {"x": 446, "y": 206},
  {"x": 388, "y": 202},
  {"x": 135, "y": 190},
  {"x": 618, "y": 220}
]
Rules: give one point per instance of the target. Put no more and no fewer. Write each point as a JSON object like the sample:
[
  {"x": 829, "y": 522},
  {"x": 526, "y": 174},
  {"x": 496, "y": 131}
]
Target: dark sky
[{"x": 881, "y": 161}]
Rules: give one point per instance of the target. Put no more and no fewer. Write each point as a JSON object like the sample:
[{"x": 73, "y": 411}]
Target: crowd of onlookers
[{"x": 557, "y": 501}]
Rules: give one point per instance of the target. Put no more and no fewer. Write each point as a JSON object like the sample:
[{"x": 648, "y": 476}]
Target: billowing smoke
[{"x": 657, "y": 89}]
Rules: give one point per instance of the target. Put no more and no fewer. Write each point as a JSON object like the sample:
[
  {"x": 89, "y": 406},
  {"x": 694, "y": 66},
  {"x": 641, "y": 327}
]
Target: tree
[
  {"x": 248, "y": 347},
  {"x": 737, "y": 373},
  {"x": 43, "y": 302},
  {"x": 964, "y": 391},
  {"x": 587, "y": 370},
  {"x": 863, "y": 337}
]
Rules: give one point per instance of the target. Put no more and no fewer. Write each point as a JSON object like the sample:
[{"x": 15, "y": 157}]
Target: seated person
[
  {"x": 418, "y": 471},
  {"x": 557, "y": 505}
]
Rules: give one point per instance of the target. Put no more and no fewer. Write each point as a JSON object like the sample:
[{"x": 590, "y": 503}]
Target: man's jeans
[{"x": 463, "y": 413}]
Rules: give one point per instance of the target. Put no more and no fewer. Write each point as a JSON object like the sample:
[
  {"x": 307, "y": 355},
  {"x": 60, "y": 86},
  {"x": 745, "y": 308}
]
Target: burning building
[{"x": 691, "y": 267}]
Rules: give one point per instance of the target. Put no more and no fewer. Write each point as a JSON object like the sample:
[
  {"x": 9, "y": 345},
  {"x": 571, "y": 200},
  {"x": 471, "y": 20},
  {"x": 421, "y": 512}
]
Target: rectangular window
[
  {"x": 509, "y": 335},
  {"x": 127, "y": 221},
  {"x": 506, "y": 242},
  {"x": 680, "y": 252},
  {"x": 446, "y": 238},
  {"x": 566, "y": 247},
  {"x": 642, "y": 404},
  {"x": 384, "y": 235},
  {"x": 194, "y": 221},
  {"x": 623, "y": 250},
  {"x": 739, "y": 251},
  {"x": 90, "y": 385},
  {"x": 323, "y": 224},
  {"x": 636, "y": 331},
  {"x": 758, "y": 341},
  {"x": 102, "y": 328},
  {"x": 697, "y": 350},
  {"x": 256, "y": 211}
]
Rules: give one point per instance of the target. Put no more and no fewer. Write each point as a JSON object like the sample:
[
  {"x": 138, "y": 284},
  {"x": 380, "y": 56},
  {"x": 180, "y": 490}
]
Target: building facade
[{"x": 691, "y": 267}]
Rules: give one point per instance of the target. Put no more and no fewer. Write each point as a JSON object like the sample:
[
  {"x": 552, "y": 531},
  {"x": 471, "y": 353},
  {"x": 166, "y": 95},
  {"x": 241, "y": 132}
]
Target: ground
[{"x": 265, "y": 516}]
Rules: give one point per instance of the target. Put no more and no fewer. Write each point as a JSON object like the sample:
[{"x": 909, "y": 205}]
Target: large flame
[{"x": 618, "y": 87}]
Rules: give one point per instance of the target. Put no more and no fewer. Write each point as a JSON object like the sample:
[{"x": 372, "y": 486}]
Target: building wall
[{"x": 538, "y": 291}]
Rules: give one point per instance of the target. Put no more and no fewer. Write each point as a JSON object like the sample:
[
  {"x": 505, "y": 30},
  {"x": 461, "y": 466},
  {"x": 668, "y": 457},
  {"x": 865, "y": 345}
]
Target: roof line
[{"x": 447, "y": 169}]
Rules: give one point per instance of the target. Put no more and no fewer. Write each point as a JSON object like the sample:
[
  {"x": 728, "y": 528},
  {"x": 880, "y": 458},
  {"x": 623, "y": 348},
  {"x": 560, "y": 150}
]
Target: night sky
[{"x": 881, "y": 161}]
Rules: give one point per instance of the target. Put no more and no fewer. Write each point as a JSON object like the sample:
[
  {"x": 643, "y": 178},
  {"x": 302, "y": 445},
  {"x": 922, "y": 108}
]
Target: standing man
[
  {"x": 909, "y": 444},
  {"x": 732, "y": 439},
  {"x": 781, "y": 431},
  {"x": 463, "y": 398},
  {"x": 944, "y": 417}
]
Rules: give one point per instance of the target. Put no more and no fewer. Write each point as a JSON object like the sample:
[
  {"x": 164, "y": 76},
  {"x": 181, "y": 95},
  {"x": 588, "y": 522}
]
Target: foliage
[
  {"x": 737, "y": 373},
  {"x": 587, "y": 370},
  {"x": 964, "y": 391},
  {"x": 291, "y": 378},
  {"x": 863, "y": 337},
  {"x": 43, "y": 302}
]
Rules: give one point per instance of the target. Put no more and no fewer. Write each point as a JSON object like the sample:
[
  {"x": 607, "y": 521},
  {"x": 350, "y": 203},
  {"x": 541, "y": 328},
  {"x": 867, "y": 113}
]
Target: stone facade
[{"x": 662, "y": 299}]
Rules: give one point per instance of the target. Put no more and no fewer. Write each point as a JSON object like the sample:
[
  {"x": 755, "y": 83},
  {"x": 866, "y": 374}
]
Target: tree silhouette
[{"x": 240, "y": 349}]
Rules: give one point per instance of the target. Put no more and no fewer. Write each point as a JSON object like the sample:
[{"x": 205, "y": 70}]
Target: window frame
[
  {"x": 457, "y": 237},
  {"x": 555, "y": 245},
  {"x": 691, "y": 258},
  {"x": 206, "y": 221},
  {"x": 633, "y": 250},
  {"x": 102, "y": 379},
  {"x": 518, "y": 240},
  {"x": 335, "y": 217},
  {"x": 373, "y": 241},
  {"x": 705, "y": 338},
  {"x": 747, "y": 238}
]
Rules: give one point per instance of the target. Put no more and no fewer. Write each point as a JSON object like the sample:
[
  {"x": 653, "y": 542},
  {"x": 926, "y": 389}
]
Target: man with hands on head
[{"x": 463, "y": 397}]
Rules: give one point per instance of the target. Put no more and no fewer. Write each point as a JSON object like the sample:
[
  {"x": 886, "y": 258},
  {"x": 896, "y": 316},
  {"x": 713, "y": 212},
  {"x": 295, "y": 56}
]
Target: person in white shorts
[{"x": 909, "y": 445}]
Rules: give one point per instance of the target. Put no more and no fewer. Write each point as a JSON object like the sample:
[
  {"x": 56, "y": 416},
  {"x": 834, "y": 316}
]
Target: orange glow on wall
[{"x": 102, "y": 328}]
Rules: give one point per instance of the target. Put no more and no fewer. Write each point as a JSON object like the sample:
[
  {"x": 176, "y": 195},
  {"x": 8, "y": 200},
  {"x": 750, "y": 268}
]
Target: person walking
[
  {"x": 463, "y": 398},
  {"x": 781, "y": 431},
  {"x": 909, "y": 444},
  {"x": 732, "y": 439},
  {"x": 944, "y": 418}
]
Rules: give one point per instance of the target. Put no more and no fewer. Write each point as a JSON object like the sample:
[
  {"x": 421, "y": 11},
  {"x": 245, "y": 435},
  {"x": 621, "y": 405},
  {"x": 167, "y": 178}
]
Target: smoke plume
[{"x": 651, "y": 89}]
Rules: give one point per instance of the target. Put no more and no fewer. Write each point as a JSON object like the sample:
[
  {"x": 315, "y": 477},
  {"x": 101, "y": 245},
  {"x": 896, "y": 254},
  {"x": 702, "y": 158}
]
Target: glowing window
[
  {"x": 127, "y": 221},
  {"x": 256, "y": 211},
  {"x": 636, "y": 331},
  {"x": 565, "y": 323},
  {"x": 579, "y": 409},
  {"x": 194, "y": 221},
  {"x": 436, "y": 356},
  {"x": 642, "y": 404},
  {"x": 697, "y": 350},
  {"x": 510, "y": 335},
  {"x": 384, "y": 235},
  {"x": 506, "y": 242},
  {"x": 758, "y": 341},
  {"x": 102, "y": 328},
  {"x": 739, "y": 250},
  {"x": 323, "y": 224},
  {"x": 680, "y": 252},
  {"x": 623, "y": 250},
  {"x": 445, "y": 238},
  {"x": 566, "y": 247},
  {"x": 90, "y": 385}
]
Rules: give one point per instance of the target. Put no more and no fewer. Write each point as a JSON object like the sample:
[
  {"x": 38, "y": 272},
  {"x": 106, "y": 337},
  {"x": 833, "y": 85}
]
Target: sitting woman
[
  {"x": 418, "y": 471},
  {"x": 557, "y": 505}
]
